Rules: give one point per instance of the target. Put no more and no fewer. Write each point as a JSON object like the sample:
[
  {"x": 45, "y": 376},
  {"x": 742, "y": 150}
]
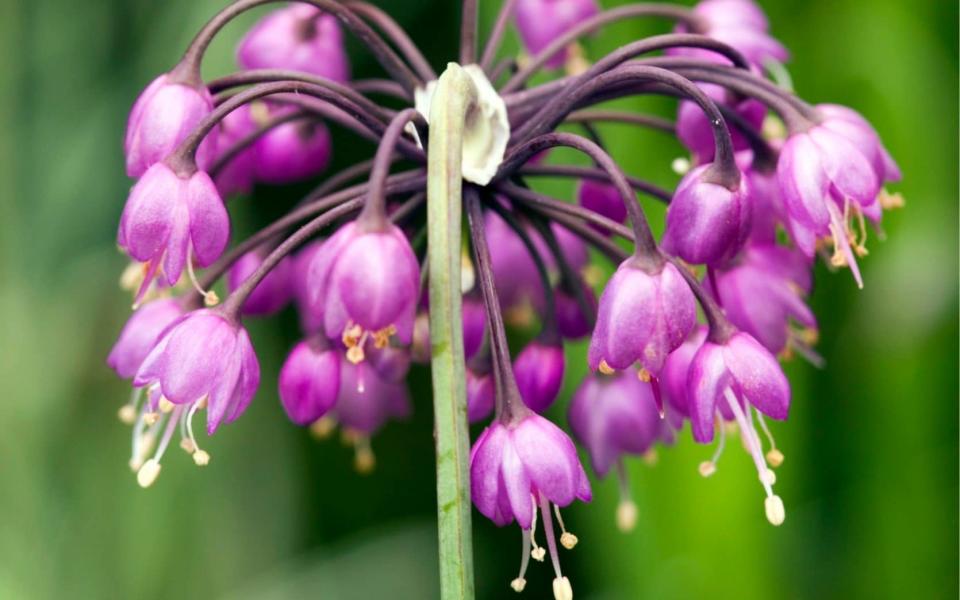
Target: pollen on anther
[
  {"x": 201, "y": 458},
  {"x": 188, "y": 445},
  {"x": 127, "y": 414},
  {"x": 775, "y": 457},
  {"x": 707, "y": 468},
  {"x": 626, "y": 515},
  {"x": 605, "y": 368},
  {"x": 518, "y": 584},
  {"x": 562, "y": 589},
  {"x": 776, "y": 513},
  {"x": 148, "y": 473},
  {"x": 643, "y": 375},
  {"x": 538, "y": 554},
  {"x": 355, "y": 354},
  {"x": 165, "y": 406},
  {"x": 151, "y": 418},
  {"x": 568, "y": 540}
]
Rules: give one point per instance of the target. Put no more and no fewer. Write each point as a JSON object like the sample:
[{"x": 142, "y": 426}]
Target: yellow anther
[
  {"x": 201, "y": 458},
  {"x": 592, "y": 274},
  {"x": 259, "y": 113},
  {"x": 650, "y": 457},
  {"x": 165, "y": 406},
  {"x": 210, "y": 298},
  {"x": 350, "y": 436},
  {"x": 775, "y": 458},
  {"x": 521, "y": 315},
  {"x": 151, "y": 418},
  {"x": 707, "y": 468},
  {"x": 562, "y": 589},
  {"x": 809, "y": 336},
  {"x": 355, "y": 354},
  {"x": 768, "y": 477},
  {"x": 351, "y": 335},
  {"x": 681, "y": 165},
  {"x": 382, "y": 338},
  {"x": 643, "y": 375},
  {"x": 127, "y": 414},
  {"x": 323, "y": 427},
  {"x": 202, "y": 403},
  {"x": 148, "y": 473},
  {"x": 776, "y": 513},
  {"x": 188, "y": 445},
  {"x": 538, "y": 554},
  {"x": 364, "y": 461},
  {"x": 518, "y": 584},
  {"x": 773, "y": 128},
  {"x": 605, "y": 368},
  {"x": 626, "y": 515},
  {"x": 576, "y": 63},
  {"x": 568, "y": 540},
  {"x": 890, "y": 201}
]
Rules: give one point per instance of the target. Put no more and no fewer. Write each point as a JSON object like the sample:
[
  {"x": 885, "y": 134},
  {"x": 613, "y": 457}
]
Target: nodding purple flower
[
  {"x": 310, "y": 380},
  {"x": 237, "y": 175},
  {"x": 762, "y": 293},
  {"x": 602, "y": 198},
  {"x": 519, "y": 467},
  {"x": 272, "y": 293},
  {"x": 297, "y": 38},
  {"x": 613, "y": 416},
  {"x": 745, "y": 378},
  {"x": 474, "y": 325},
  {"x": 170, "y": 220},
  {"x": 827, "y": 180},
  {"x": 642, "y": 317},
  {"x": 673, "y": 377},
  {"x": 851, "y": 125},
  {"x": 572, "y": 322},
  {"x": 365, "y": 403},
  {"x": 162, "y": 117},
  {"x": 139, "y": 335},
  {"x": 707, "y": 223},
  {"x": 367, "y": 283},
  {"x": 539, "y": 373},
  {"x": 392, "y": 363},
  {"x": 203, "y": 360},
  {"x": 540, "y": 22},
  {"x": 480, "y": 395},
  {"x": 518, "y": 283},
  {"x": 311, "y": 318},
  {"x": 693, "y": 125},
  {"x": 292, "y": 151},
  {"x": 740, "y": 24}
]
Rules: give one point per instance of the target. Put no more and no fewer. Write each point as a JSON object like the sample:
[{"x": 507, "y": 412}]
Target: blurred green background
[{"x": 870, "y": 480}]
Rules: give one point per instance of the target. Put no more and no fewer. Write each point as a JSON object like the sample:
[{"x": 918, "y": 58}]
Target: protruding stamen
[
  {"x": 188, "y": 445},
  {"x": 323, "y": 427},
  {"x": 605, "y": 368},
  {"x": 681, "y": 165},
  {"x": 519, "y": 583},
  {"x": 643, "y": 375},
  {"x": 707, "y": 468},
  {"x": 576, "y": 62},
  {"x": 210, "y": 297},
  {"x": 151, "y": 418},
  {"x": 890, "y": 201},
  {"x": 567, "y": 539},
  {"x": 148, "y": 473},
  {"x": 562, "y": 589},
  {"x": 165, "y": 405},
  {"x": 364, "y": 460},
  {"x": 627, "y": 509},
  {"x": 201, "y": 458},
  {"x": 537, "y": 552},
  {"x": 774, "y": 456},
  {"x": 355, "y": 354},
  {"x": 127, "y": 414},
  {"x": 776, "y": 513},
  {"x": 381, "y": 338},
  {"x": 351, "y": 335},
  {"x": 548, "y": 533},
  {"x": 768, "y": 477},
  {"x": 650, "y": 457}
]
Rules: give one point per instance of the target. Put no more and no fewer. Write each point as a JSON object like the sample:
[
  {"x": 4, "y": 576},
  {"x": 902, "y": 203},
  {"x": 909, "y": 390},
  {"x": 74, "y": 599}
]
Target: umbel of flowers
[{"x": 688, "y": 329}]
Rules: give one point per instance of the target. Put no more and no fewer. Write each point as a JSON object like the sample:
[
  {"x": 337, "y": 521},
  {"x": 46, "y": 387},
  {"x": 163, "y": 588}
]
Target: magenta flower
[
  {"x": 271, "y": 294},
  {"x": 542, "y": 21},
  {"x": 539, "y": 372},
  {"x": 851, "y": 125},
  {"x": 642, "y": 317},
  {"x": 237, "y": 175},
  {"x": 673, "y": 377},
  {"x": 763, "y": 291},
  {"x": 310, "y": 380},
  {"x": 740, "y": 24},
  {"x": 169, "y": 219},
  {"x": 367, "y": 283},
  {"x": 480, "y": 395},
  {"x": 572, "y": 323},
  {"x": 292, "y": 151},
  {"x": 601, "y": 198},
  {"x": 162, "y": 117},
  {"x": 707, "y": 223},
  {"x": 392, "y": 363},
  {"x": 693, "y": 126},
  {"x": 311, "y": 317},
  {"x": 297, "y": 38},
  {"x": 140, "y": 334},
  {"x": 474, "y": 325}
]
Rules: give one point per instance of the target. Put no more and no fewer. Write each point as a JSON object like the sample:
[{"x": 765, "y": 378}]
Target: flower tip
[
  {"x": 148, "y": 473},
  {"x": 776, "y": 513},
  {"x": 626, "y": 516},
  {"x": 562, "y": 589}
]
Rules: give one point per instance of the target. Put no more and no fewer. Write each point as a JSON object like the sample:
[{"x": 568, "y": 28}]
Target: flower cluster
[{"x": 688, "y": 329}]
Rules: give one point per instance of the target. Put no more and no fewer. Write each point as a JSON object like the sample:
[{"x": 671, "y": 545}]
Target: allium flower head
[
  {"x": 298, "y": 38},
  {"x": 542, "y": 21},
  {"x": 707, "y": 223},
  {"x": 140, "y": 334},
  {"x": 642, "y": 317},
  {"x": 169, "y": 219},
  {"x": 162, "y": 117}
]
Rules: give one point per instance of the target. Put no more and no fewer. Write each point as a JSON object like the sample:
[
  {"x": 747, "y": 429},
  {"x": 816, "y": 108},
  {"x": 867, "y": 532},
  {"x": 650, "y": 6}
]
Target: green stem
[{"x": 454, "y": 95}]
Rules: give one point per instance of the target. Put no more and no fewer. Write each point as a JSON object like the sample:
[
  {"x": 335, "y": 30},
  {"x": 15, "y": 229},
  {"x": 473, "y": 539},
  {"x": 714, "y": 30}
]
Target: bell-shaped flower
[
  {"x": 539, "y": 373},
  {"x": 310, "y": 380},
  {"x": 291, "y": 151},
  {"x": 170, "y": 219},
  {"x": 603, "y": 199},
  {"x": 296, "y": 38},
  {"x": 693, "y": 125},
  {"x": 140, "y": 334},
  {"x": 166, "y": 112},
  {"x": 480, "y": 395},
  {"x": 737, "y": 23},
  {"x": 542, "y": 21},
  {"x": 272, "y": 293}
]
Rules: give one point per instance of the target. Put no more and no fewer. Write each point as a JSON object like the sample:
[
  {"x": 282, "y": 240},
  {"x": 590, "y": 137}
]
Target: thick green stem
[{"x": 454, "y": 95}]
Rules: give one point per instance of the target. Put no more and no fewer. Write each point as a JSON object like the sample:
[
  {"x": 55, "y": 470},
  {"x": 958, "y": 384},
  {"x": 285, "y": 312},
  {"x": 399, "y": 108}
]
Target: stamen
[
  {"x": 643, "y": 375},
  {"x": 382, "y": 338},
  {"x": 519, "y": 583},
  {"x": 843, "y": 255},
  {"x": 627, "y": 508},
  {"x": 709, "y": 467},
  {"x": 605, "y": 368},
  {"x": 210, "y": 297},
  {"x": 567, "y": 539},
  {"x": 200, "y": 457},
  {"x": 355, "y": 353},
  {"x": 364, "y": 461},
  {"x": 538, "y": 553},
  {"x": 890, "y": 201},
  {"x": 150, "y": 470},
  {"x": 323, "y": 427},
  {"x": 548, "y": 533},
  {"x": 165, "y": 405},
  {"x": 681, "y": 165},
  {"x": 128, "y": 412},
  {"x": 650, "y": 457},
  {"x": 351, "y": 335},
  {"x": 562, "y": 589},
  {"x": 774, "y": 456}
]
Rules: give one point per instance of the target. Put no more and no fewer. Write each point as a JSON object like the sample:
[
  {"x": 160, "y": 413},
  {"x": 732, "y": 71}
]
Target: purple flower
[
  {"x": 311, "y": 318},
  {"x": 237, "y": 175},
  {"x": 824, "y": 179},
  {"x": 474, "y": 325},
  {"x": 707, "y": 223},
  {"x": 296, "y": 38},
  {"x": 763, "y": 290},
  {"x": 272, "y": 293},
  {"x": 310, "y": 380},
  {"x": 366, "y": 400},
  {"x": 391, "y": 363},
  {"x": 851, "y": 125},
  {"x": 169, "y": 218},
  {"x": 162, "y": 117},
  {"x": 292, "y": 151},
  {"x": 203, "y": 355},
  {"x": 642, "y": 317},
  {"x": 480, "y": 395},
  {"x": 140, "y": 333},
  {"x": 572, "y": 323},
  {"x": 693, "y": 126},
  {"x": 740, "y": 24},
  {"x": 602, "y": 198},
  {"x": 673, "y": 377},
  {"x": 367, "y": 283},
  {"x": 539, "y": 373},
  {"x": 542, "y": 21},
  {"x": 613, "y": 416},
  {"x": 519, "y": 467}
]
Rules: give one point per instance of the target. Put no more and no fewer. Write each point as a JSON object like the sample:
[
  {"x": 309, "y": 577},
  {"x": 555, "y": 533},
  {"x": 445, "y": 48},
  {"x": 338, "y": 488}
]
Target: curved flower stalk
[{"x": 379, "y": 280}]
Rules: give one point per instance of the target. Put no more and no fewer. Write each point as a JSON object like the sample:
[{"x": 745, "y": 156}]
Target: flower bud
[
  {"x": 542, "y": 21},
  {"x": 310, "y": 380},
  {"x": 272, "y": 293},
  {"x": 539, "y": 373}
]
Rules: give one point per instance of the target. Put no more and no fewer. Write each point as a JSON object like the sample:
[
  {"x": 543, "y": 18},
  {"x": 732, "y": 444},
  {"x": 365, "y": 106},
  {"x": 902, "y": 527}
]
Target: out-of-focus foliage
[{"x": 870, "y": 479}]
